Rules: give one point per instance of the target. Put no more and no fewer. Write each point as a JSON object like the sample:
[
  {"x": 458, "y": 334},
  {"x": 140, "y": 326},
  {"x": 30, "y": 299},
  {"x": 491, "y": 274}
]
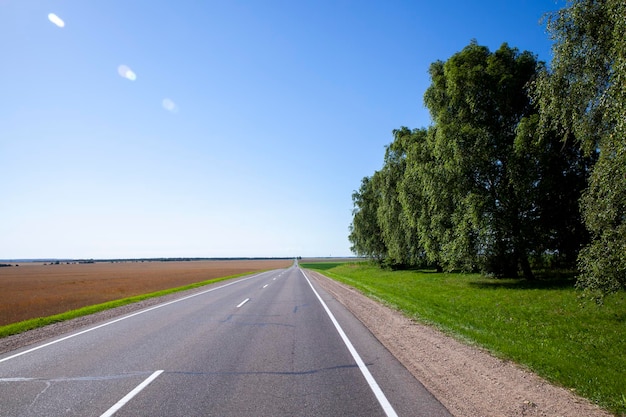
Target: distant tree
[{"x": 365, "y": 232}]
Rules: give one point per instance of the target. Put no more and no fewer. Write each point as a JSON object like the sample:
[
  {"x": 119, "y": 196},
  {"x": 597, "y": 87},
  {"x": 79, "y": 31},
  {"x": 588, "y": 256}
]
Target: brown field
[{"x": 38, "y": 290}]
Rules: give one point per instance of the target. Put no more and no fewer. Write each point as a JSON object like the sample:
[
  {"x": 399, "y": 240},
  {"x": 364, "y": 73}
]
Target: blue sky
[{"x": 244, "y": 131}]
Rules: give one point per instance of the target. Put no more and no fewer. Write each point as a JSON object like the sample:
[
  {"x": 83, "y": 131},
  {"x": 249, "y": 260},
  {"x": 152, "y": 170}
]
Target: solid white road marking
[
  {"x": 243, "y": 302},
  {"x": 380, "y": 396},
  {"x": 131, "y": 394},
  {"x": 126, "y": 317}
]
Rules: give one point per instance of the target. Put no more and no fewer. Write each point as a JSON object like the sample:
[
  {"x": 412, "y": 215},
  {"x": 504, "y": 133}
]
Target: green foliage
[
  {"x": 423, "y": 205},
  {"x": 540, "y": 324},
  {"x": 365, "y": 232},
  {"x": 583, "y": 96},
  {"x": 400, "y": 236},
  {"x": 556, "y": 173},
  {"x": 477, "y": 100}
]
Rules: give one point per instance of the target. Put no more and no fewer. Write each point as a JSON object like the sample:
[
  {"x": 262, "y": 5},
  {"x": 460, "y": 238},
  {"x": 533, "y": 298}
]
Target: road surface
[{"x": 271, "y": 344}]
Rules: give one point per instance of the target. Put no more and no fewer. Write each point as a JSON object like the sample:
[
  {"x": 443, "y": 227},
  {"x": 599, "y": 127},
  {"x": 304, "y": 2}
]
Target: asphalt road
[{"x": 273, "y": 344}]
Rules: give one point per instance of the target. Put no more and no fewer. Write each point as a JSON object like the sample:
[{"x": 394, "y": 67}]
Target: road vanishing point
[{"x": 269, "y": 344}]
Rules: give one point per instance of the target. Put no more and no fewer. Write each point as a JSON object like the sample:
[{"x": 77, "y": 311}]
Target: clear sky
[{"x": 215, "y": 128}]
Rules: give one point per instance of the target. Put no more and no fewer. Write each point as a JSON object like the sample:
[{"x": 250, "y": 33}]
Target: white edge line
[
  {"x": 125, "y": 317},
  {"x": 380, "y": 396},
  {"x": 243, "y": 302},
  {"x": 131, "y": 394}
]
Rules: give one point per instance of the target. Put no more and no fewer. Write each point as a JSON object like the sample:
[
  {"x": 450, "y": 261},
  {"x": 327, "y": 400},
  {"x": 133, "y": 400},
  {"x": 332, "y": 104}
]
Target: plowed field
[{"x": 37, "y": 290}]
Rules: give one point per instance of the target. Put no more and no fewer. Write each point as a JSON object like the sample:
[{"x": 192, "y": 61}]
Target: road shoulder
[{"x": 468, "y": 381}]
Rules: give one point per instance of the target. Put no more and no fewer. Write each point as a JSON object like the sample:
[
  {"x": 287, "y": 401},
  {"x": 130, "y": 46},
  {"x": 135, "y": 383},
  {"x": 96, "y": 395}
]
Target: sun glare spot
[
  {"x": 169, "y": 105},
  {"x": 56, "y": 20},
  {"x": 125, "y": 72}
]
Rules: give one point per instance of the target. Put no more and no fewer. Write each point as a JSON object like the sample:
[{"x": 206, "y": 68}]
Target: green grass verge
[
  {"x": 544, "y": 326},
  {"x": 22, "y": 326}
]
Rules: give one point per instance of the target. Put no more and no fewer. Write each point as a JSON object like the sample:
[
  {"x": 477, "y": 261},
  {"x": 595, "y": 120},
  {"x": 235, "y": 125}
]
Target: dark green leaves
[{"x": 584, "y": 96}]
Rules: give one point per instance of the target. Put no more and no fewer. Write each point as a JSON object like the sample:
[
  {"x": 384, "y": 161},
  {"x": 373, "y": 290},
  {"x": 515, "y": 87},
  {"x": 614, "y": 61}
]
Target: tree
[
  {"x": 583, "y": 97},
  {"x": 425, "y": 207},
  {"x": 558, "y": 174},
  {"x": 398, "y": 231},
  {"x": 487, "y": 165},
  {"x": 365, "y": 232}
]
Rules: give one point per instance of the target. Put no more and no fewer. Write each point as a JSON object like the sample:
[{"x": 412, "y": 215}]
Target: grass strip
[
  {"x": 22, "y": 326},
  {"x": 544, "y": 325}
]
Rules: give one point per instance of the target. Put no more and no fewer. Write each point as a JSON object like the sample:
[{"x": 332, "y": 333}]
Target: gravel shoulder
[{"x": 466, "y": 380}]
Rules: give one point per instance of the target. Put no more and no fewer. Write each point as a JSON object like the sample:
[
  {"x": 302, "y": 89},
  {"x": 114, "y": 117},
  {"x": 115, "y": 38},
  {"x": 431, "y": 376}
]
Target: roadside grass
[
  {"x": 22, "y": 326},
  {"x": 544, "y": 326},
  {"x": 322, "y": 266}
]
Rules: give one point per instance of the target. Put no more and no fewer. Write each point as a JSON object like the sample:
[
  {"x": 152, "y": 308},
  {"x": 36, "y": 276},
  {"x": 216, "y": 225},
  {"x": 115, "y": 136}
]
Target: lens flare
[
  {"x": 169, "y": 105},
  {"x": 56, "y": 20},
  {"x": 125, "y": 72}
]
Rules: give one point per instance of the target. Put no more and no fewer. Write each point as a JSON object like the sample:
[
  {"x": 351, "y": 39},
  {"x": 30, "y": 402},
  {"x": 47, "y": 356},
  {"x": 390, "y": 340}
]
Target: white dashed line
[
  {"x": 243, "y": 302},
  {"x": 131, "y": 394}
]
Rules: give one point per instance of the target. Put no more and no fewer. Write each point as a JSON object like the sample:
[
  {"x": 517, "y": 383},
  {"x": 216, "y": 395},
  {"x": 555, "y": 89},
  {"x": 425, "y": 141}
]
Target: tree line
[{"x": 523, "y": 166}]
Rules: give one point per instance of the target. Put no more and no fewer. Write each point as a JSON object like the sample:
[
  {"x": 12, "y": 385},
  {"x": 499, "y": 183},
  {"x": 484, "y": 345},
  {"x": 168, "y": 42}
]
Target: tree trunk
[{"x": 528, "y": 272}]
